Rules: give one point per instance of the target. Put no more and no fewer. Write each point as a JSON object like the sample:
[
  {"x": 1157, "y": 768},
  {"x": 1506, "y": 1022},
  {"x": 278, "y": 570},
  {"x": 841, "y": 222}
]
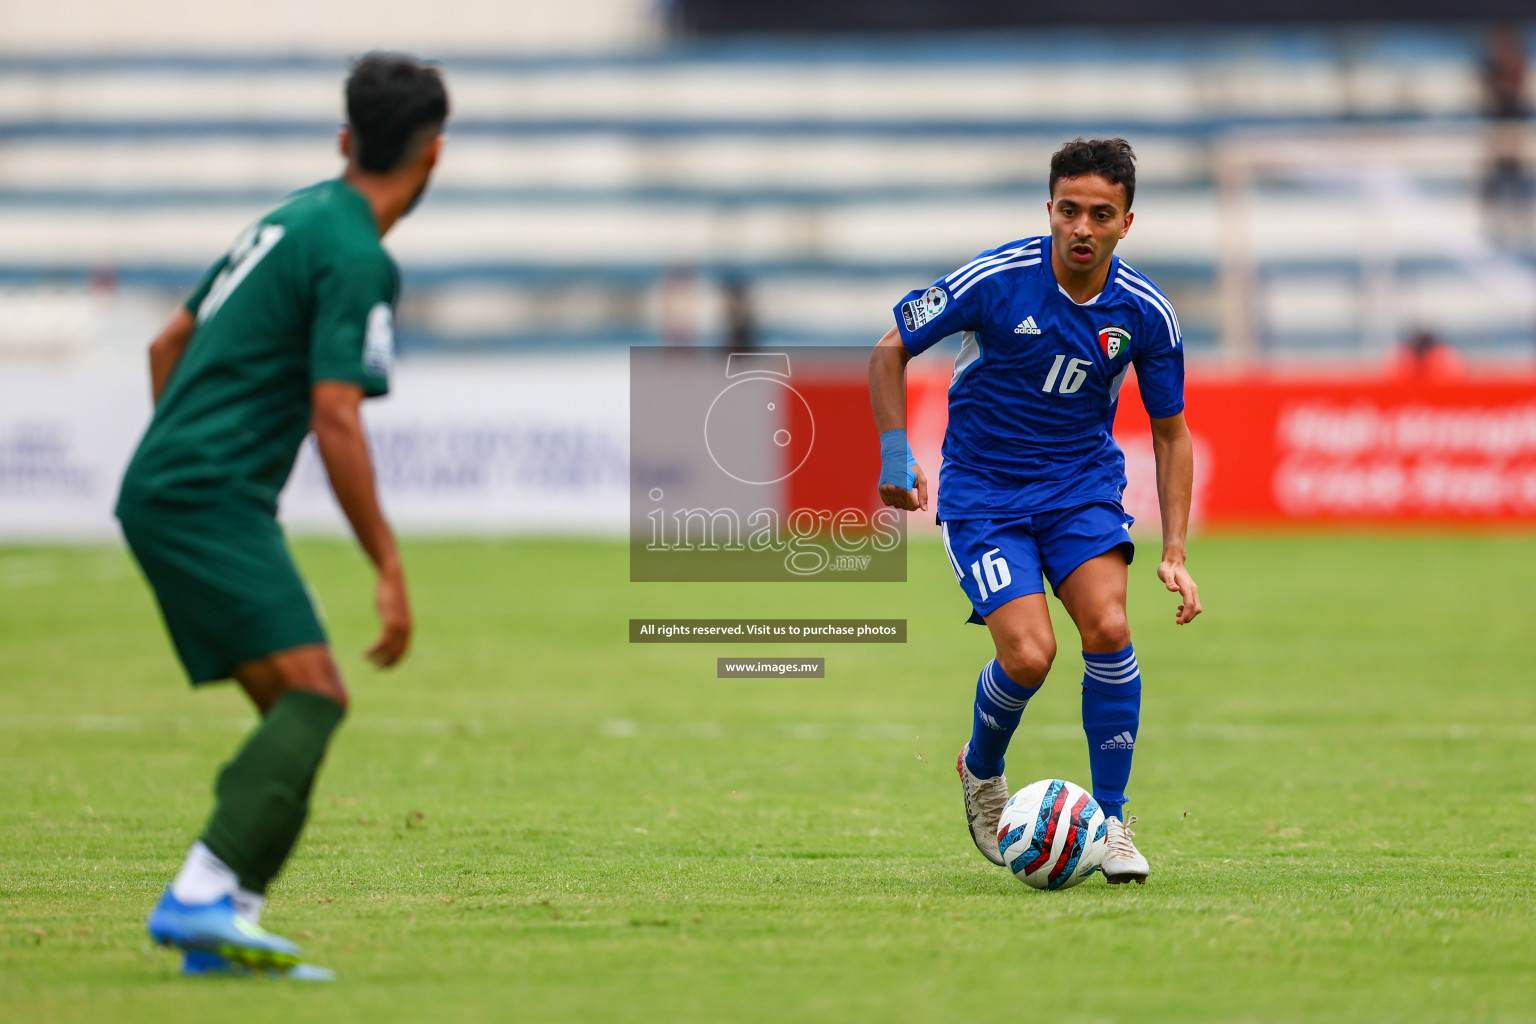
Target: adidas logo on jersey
[
  {"x": 1027, "y": 327},
  {"x": 1124, "y": 741}
]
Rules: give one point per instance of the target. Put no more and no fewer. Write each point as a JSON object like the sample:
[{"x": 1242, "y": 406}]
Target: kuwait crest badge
[{"x": 1113, "y": 339}]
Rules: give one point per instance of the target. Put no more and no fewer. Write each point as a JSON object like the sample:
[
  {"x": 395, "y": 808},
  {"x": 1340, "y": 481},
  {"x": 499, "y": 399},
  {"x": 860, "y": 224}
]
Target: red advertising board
[{"x": 1288, "y": 450}]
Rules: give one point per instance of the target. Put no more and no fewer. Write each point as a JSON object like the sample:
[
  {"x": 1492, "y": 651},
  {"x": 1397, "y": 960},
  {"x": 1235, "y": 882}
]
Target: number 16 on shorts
[{"x": 991, "y": 573}]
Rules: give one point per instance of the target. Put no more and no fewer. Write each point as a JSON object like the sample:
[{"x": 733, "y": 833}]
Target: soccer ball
[{"x": 1052, "y": 834}]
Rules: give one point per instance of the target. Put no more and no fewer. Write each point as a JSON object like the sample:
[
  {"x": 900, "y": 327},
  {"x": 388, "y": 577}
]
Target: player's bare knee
[
  {"x": 333, "y": 690},
  {"x": 328, "y": 684},
  {"x": 339, "y": 697},
  {"x": 312, "y": 670},
  {"x": 1106, "y": 631},
  {"x": 1027, "y": 663}
]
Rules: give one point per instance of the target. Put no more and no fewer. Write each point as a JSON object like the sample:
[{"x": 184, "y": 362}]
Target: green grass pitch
[{"x": 535, "y": 821}]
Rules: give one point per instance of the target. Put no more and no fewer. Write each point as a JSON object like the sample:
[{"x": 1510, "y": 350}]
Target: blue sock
[
  {"x": 1111, "y": 717},
  {"x": 1000, "y": 704}
]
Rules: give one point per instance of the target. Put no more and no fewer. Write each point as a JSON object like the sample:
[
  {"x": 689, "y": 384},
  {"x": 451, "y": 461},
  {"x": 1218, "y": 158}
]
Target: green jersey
[{"x": 305, "y": 295}]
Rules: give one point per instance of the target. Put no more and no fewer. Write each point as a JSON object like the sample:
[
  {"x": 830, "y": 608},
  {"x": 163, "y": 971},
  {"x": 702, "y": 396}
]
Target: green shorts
[{"x": 226, "y": 584}]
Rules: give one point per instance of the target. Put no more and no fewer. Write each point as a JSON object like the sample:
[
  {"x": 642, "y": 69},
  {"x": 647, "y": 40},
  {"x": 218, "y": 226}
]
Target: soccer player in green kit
[{"x": 285, "y": 335}]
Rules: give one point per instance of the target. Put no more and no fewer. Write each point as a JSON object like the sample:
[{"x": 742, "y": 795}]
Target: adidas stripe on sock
[{"x": 1000, "y": 703}]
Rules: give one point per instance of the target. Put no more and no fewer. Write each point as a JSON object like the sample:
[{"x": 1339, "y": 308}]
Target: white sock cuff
[
  {"x": 203, "y": 878},
  {"x": 248, "y": 904}
]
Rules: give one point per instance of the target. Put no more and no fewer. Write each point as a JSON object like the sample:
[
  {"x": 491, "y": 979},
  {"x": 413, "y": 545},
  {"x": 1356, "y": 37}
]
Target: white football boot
[
  {"x": 984, "y": 800},
  {"x": 1122, "y": 861}
]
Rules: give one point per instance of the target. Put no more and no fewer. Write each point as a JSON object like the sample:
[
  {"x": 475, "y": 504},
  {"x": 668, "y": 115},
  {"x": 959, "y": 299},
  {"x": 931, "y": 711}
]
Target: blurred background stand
[
  {"x": 1507, "y": 184},
  {"x": 1321, "y": 186},
  {"x": 740, "y": 320}
]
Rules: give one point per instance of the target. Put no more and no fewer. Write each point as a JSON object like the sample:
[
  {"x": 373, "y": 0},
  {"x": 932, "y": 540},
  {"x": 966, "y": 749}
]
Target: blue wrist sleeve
[{"x": 896, "y": 461}]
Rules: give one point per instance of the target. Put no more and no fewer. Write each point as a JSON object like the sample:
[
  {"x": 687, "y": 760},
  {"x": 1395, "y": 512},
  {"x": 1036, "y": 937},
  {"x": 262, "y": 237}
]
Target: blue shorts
[{"x": 998, "y": 560}]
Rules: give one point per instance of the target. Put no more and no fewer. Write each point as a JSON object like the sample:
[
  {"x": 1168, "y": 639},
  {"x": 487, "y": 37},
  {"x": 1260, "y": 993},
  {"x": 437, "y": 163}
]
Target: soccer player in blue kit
[{"x": 1033, "y": 479}]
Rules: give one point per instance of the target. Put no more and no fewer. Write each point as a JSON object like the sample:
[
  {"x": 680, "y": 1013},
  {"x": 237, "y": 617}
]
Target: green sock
[{"x": 263, "y": 794}]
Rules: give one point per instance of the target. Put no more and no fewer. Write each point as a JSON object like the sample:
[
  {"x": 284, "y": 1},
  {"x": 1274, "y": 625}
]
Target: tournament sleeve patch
[
  {"x": 918, "y": 312},
  {"x": 379, "y": 340}
]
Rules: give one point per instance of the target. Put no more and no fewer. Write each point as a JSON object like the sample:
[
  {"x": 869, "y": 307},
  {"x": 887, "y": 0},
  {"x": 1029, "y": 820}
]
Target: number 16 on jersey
[{"x": 1077, "y": 372}]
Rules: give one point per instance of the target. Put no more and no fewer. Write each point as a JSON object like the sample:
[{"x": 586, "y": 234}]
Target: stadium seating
[{"x": 603, "y": 199}]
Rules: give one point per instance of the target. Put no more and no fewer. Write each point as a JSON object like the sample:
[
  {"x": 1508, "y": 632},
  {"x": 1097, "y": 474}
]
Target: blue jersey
[{"x": 1032, "y": 400}]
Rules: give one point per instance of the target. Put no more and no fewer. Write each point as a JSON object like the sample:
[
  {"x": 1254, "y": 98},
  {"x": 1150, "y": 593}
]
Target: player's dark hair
[
  {"x": 392, "y": 103},
  {"x": 1110, "y": 159}
]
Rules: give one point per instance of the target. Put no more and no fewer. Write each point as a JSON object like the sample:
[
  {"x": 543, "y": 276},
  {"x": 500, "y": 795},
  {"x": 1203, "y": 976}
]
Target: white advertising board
[{"x": 500, "y": 445}]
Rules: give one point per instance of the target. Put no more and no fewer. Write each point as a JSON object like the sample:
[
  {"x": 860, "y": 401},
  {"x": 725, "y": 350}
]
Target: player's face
[{"x": 1088, "y": 218}]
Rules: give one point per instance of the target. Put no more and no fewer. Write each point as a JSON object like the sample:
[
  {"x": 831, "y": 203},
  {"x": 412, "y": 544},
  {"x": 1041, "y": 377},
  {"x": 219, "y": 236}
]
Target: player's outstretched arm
[
  {"x": 1175, "y": 453},
  {"x": 902, "y": 483},
  {"x": 165, "y": 351},
  {"x": 337, "y": 422}
]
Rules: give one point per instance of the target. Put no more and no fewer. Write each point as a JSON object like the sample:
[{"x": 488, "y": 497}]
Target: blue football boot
[
  {"x": 217, "y": 928},
  {"x": 200, "y": 963}
]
